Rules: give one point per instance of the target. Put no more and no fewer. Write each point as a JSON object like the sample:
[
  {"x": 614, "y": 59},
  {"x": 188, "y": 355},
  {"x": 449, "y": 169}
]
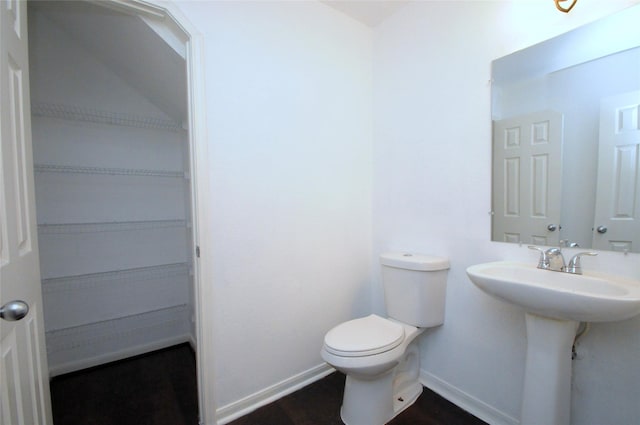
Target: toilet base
[
  {"x": 406, "y": 398},
  {"x": 375, "y": 401},
  {"x": 367, "y": 402},
  {"x": 369, "y": 406}
]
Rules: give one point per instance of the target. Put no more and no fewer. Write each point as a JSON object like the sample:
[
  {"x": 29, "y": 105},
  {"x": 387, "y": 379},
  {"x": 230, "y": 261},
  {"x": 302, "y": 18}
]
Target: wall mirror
[{"x": 566, "y": 139}]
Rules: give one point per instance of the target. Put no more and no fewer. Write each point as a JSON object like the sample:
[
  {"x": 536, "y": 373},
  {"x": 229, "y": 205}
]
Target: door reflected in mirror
[{"x": 566, "y": 139}]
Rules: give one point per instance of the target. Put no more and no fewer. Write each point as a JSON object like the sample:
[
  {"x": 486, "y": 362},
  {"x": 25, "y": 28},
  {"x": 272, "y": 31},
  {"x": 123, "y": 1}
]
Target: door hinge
[{"x": 197, "y": 251}]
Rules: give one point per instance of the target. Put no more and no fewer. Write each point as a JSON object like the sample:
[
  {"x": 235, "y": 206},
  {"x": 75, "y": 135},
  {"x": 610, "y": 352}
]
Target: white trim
[
  {"x": 261, "y": 398},
  {"x": 199, "y": 161},
  {"x": 203, "y": 272},
  {"x": 192, "y": 342},
  {"x": 466, "y": 401},
  {"x": 136, "y": 7}
]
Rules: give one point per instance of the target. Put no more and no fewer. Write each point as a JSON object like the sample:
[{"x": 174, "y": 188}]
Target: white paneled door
[
  {"x": 617, "y": 218},
  {"x": 527, "y": 173},
  {"x": 24, "y": 385}
]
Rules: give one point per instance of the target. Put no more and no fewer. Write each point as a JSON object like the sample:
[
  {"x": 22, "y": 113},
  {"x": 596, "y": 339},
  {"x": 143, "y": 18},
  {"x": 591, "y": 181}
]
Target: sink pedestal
[{"x": 546, "y": 398}]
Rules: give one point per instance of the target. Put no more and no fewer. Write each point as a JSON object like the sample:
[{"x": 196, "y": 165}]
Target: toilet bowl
[
  {"x": 374, "y": 394},
  {"x": 380, "y": 356}
]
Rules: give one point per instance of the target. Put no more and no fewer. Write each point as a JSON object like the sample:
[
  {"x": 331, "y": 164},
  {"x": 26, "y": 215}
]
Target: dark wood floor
[
  {"x": 160, "y": 389},
  {"x": 319, "y": 404},
  {"x": 153, "y": 389}
]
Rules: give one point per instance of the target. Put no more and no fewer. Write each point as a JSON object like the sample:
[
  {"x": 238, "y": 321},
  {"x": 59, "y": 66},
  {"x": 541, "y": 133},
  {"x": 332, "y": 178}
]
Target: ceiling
[{"x": 369, "y": 12}]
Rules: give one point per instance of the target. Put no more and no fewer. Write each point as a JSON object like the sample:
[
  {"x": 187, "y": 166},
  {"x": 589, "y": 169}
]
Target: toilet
[{"x": 380, "y": 356}]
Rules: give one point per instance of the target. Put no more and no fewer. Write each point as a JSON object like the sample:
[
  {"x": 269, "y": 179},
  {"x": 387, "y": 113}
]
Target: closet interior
[{"x": 113, "y": 187}]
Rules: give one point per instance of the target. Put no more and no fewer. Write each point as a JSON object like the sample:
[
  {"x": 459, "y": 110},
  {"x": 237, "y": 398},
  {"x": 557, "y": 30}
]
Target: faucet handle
[
  {"x": 550, "y": 259},
  {"x": 543, "y": 262},
  {"x": 574, "y": 265}
]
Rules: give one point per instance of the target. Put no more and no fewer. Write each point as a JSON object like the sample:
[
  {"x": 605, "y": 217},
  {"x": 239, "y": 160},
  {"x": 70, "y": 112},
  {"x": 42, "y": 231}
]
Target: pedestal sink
[{"x": 554, "y": 304}]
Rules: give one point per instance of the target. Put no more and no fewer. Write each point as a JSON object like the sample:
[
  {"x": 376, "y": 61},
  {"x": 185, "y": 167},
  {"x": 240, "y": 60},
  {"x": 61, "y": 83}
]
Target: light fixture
[{"x": 565, "y": 9}]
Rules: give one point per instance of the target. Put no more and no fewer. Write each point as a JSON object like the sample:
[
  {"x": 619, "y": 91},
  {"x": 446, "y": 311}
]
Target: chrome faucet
[{"x": 552, "y": 259}]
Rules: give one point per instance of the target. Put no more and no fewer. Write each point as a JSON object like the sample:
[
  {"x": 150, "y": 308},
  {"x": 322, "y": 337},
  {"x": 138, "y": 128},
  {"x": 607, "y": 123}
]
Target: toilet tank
[{"x": 415, "y": 287}]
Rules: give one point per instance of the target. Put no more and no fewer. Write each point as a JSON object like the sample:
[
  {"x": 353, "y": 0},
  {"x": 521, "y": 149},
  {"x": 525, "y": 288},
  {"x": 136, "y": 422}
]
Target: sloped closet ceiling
[{"x": 129, "y": 47}]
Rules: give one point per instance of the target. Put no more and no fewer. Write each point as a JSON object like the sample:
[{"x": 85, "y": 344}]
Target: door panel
[
  {"x": 617, "y": 218},
  {"x": 526, "y": 178},
  {"x": 24, "y": 382}
]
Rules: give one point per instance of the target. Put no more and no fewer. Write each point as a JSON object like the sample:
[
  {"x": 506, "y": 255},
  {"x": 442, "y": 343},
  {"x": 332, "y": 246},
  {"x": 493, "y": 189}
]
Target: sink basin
[{"x": 590, "y": 297}]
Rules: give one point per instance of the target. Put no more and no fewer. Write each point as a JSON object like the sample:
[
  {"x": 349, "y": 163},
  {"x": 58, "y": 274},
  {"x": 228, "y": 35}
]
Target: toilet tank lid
[{"x": 410, "y": 261}]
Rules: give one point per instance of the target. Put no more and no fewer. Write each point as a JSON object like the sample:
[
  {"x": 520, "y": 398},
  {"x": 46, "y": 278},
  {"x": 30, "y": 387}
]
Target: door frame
[{"x": 169, "y": 14}]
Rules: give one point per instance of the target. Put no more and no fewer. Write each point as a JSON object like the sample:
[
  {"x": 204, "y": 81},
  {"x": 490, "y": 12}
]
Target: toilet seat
[{"x": 366, "y": 336}]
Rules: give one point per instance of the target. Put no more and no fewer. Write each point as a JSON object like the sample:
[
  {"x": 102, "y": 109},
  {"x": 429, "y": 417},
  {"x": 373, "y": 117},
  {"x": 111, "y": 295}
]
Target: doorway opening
[{"x": 114, "y": 186}]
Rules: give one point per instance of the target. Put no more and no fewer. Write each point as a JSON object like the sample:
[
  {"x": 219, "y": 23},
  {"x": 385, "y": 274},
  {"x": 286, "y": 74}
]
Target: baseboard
[
  {"x": 113, "y": 356},
  {"x": 193, "y": 343},
  {"x": 465, "y": 401},
  {"x": 229, "y": 412}
]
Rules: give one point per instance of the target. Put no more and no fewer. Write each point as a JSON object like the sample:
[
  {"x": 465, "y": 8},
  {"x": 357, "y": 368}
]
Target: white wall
[
  {"x": 432, "y": 182},
  {"x": 289, "y": 104}
]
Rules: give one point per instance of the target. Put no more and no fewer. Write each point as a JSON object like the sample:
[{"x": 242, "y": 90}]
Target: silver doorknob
[
  {"x": 552, "y": 227},
  {"x": 14, "y": 310},
  {"x": 601, "y": 229}
]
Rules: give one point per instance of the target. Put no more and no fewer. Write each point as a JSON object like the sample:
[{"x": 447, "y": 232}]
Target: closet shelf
[
  {"x": 80, "y": 113},
  {"x": 139, "y": 274},
  {"x": 114, "y": 328},
  {"x": 50, "y": 168},
  {"x": 112, "y": 226}
]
